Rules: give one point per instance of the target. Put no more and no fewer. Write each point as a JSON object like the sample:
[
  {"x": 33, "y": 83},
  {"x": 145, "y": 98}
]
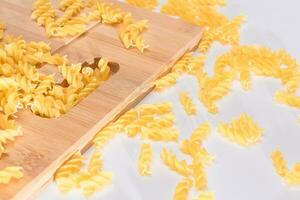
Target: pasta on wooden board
[
  {"x": 9, "y": 173},
  {"x": 149, "y": 4}
]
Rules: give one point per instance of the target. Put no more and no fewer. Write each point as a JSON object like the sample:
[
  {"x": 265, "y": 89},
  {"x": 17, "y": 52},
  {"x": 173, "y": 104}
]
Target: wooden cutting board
[{"x": 47, "y": 143}]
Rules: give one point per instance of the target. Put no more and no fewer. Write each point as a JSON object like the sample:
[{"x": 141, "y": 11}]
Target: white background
[{"x": 238, "y": 173}]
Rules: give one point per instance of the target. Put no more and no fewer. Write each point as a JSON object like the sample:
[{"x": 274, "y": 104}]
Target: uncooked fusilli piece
[
  {"x": 66, "y": 175},
  {"x": 291, "y": 177},
  {"x": 131, "y": 35},
  {"x": 187, "y": 103},
  {"x": 145, "y": 160},
  {"x": 166, "y": 81},
  {"x": 243, "y": 131},
  {"x": 95, "y": 165},
  {"x": 201, "y": 133},
  {"x": 90, "y": 183},
  {"x": 105, "y": 135},
  {"x": 279, "y": 163},
  {"x": 150, "y": 4},
  {"x": 205, "y": 196},
  {"x": 172, "y": 163},
  {"x": 181, "y": 66},
  {"x": 9, "y": 173},
  {"x": 182, "y": 189}
]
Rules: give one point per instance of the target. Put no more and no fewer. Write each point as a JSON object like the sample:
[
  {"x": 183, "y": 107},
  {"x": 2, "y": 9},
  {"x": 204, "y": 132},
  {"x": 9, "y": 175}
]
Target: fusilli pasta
[
  {"x": 145, "y": 160},
  {"x": 187, "y": 103},
  {"x": 243, "y": 131}
]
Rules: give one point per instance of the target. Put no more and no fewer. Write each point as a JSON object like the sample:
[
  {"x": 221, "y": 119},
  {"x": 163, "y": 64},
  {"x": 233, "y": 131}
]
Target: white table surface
[{"x": 237, "y": 174}]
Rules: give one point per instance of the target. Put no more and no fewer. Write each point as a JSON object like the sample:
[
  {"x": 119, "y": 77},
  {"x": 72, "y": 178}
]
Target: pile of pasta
[
  {"x": 23, "y": 86},
  {"x": 76, "y": 14}
]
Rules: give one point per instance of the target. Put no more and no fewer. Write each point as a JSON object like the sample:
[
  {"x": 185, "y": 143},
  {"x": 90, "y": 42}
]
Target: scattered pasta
[
  {"x": 292, "y": 176},
  {"x": 187, "y": 103},
  {"x": 243, "y": 131},
  {"x": 145, "y": 160},
  {"x": 205, "y": 196},
  {"x": 170, "y": 160},
  {"x": 182, "y": 189},
  {"x": 149, "y": 4}
]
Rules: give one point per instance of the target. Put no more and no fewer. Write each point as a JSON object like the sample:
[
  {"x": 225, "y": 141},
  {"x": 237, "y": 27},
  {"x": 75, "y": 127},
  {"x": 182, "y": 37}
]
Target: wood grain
[{"x": 47, "y": 143}]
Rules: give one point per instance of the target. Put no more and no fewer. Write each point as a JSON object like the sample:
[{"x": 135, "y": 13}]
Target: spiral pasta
[
  {"x": 65, "y": 176},
  {"x": 166, "y": 81},
  {"x": 205, "y": 196},
  {"x": 207, "y": 40},
  {"x": 8, "y": 135},
  {"x": 199, "y": 175},
  {"x": 201, "y": 133},
  {"x": 95, "y": 165},
  {"x": 243, "y": 131},
  {"x": 172, "y": 163},
  {"x": 150, "y": 4},
  {"x": 181, "y": 66},
  {"x": 2, "y": 28},
  {"x": 9, "y": 173},
  {"x": 279, "y": 163},
  {"x": 182, "y": 189},
  {"x": 214, "y": 89},
  {"x": 292, "y": 176},
  {"x": 145, "y": 160},
  {"x": 131, "y": 35},
  {"x": 156, "y": 134},
  {"x": 287, "y": 99},
  {"x": 105, "y": 135},
  {"x": 90, "y": 183},
  {"x": 187, "y": 103}
]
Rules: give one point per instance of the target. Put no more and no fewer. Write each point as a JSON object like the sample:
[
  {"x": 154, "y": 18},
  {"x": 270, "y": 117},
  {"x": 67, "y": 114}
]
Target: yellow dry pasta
[
  {"x": 181, "y": 66},
  {"x": 292, "y": 176},
  {"x": 166, "y": 81},
  {"x": 199, "y": 175},
  {"x": 90, "y": 183},
  {"x": 279, "y": 163},
  {"x": 150, "y": 4},
  {"x": 187, "y": 103},
  {"x": 96, "y": 163},
  {"x": 145, "y": 160},
  {"x": 156, "y": 134},
  {"x": 287, "y": 99},
  {"x": 243, "y": 131},
  {"x": 65, "y": 176},
  {"x": 9, "y": 173},
  {"x": 214, "y": 89},
  {"x": 205, "y": 196},
  {"x": 170, "y": 160},
  {"x": 182, "y": 189},
  {"x": 105, "y": 135},
  {"x": 131, "y": 35},
  {"x": 201, "y": 133}
]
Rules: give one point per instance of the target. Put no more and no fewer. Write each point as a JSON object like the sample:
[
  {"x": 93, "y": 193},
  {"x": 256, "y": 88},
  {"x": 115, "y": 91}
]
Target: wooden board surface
[{"x": 47, "y": 143}]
